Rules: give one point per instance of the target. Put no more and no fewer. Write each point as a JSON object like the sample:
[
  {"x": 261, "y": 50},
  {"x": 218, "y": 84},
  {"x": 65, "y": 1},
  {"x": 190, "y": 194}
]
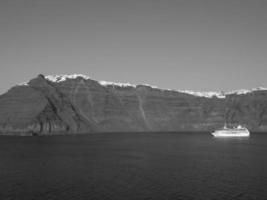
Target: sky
[{"x": 201, "y": 45}]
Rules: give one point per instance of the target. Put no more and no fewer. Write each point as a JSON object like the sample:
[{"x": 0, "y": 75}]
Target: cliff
[{"x": 78, "y": 104}]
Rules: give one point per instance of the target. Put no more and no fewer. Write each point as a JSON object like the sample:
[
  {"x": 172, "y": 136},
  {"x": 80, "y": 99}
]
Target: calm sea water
[{"x": 133, "y": 166}]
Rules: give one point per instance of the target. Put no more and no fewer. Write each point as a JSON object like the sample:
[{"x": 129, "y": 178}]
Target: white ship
[{"x": 239, "y": 131}]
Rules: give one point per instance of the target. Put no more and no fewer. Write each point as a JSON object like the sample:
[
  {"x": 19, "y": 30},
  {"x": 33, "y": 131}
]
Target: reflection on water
[
  {"x": 232, "y": 138},
  {"x": 133, "y": 166}
]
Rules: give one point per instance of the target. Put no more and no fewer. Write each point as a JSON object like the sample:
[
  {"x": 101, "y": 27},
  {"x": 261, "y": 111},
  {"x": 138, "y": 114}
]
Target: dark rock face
[{"x": 83, "y": 105}]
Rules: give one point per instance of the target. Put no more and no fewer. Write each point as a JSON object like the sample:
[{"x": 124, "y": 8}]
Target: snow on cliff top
[
  {"x": 61, "y": 78},
  {"x": 244, "y": 91},
  {"x": 107, "y": 83},
  {"x": 221, "y": 94},
  {"x": 203, "y": 94}
]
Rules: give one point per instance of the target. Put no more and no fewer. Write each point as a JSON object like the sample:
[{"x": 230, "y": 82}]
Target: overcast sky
[{"x": 198, "y": 45}]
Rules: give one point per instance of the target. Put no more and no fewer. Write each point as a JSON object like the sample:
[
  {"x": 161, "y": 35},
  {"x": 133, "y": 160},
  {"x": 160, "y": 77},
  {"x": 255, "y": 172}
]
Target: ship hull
[{"x": 231, "y": 134}]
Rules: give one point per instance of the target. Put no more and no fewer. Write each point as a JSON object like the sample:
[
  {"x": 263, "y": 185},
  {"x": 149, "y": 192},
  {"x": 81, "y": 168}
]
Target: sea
[{"x": 133, "y": 166}]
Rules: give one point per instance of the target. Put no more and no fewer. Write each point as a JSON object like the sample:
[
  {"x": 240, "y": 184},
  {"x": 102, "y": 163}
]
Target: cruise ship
[{"x": 239, "y": 131}]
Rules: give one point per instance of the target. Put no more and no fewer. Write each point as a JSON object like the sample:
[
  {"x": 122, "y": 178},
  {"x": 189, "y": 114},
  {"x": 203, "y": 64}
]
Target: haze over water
[{"x": 133, "y": 166}]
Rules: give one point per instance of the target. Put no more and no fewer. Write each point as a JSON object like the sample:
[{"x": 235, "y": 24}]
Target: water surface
[{"x": 133, "y": 166}]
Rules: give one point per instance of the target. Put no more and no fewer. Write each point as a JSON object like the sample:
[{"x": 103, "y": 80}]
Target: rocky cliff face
[{"x": 77, "y": 104}]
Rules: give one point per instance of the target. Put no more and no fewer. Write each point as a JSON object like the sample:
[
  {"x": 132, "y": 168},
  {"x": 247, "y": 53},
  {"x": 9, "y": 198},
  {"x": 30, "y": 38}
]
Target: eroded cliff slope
[{"x": 78, "y": 104}]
